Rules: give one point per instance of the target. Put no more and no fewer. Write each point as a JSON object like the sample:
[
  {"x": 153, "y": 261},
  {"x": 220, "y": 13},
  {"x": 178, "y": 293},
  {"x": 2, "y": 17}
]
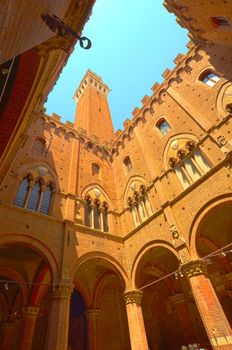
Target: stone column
[
  {"x": 137, "y": 331},
  {"x": 92, "y": 318},
  {"x": 179, "y": 302},
  {"x": 8, "y": 335},
  {"x": 210, "y": 309},
  {"x": 27, "y": 328},
  {"x": 58, "y": 323}
]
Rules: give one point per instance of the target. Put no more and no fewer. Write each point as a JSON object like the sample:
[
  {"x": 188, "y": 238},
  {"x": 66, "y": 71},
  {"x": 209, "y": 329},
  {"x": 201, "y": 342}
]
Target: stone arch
[
  {"x": 92, "y": 186},
  {"x": 116, "y": 266},
  {"x": 36, "y": 245},
  {"x": 223, "y": 98},
  {"x": 143, "y": 251},
  {"x": 199, "y": 217},
  {"x": 22, "y": 170},
  {"x": 15, "y": 276},
  {"x": 132, "y": 179}
]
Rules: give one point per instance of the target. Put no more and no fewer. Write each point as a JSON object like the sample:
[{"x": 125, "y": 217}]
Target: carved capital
[
  {"x": 62, "y": 290},
  {"x": 8, "y": 326},
  {"x": 31, "y": 310},
  {"x": 92, "y": 314},
  {"x": 133, "y": 297},
  {"x": 193, "y": 268}
]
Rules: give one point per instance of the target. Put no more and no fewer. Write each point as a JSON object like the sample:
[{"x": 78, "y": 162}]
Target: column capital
[
  {"x": 62, "y": 290},
  {"x": 193, "y": 268},
  {"x": 8, "y": 326},
  {"x": 92, "y": 314},
  {"x": 133, "y": 297},
  {"x": 31, "y": 310}
]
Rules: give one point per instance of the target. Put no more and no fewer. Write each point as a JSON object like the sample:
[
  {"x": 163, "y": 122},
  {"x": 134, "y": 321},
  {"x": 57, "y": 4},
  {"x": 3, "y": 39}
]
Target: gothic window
[
  {"x": 34, "y": 195},
  {"x": 39, "y": 146},
  {"x": 139, "y": 205},
  {"x": 163, "y": 126},
  {"x": 189, "y": 165},
  {"x": 95, "y": 169},
  {"x": 96, "y": 215},
  {"x": 127, "y": 163},
  {"x": 209, "y": 78},
  {"x": 87, "y": 220},
  {"x": 105, "y": 217},
  {"x": 46, "y": 200},
  {"x": 96, "y": 211},
  {"x": 22, "y": 193}
]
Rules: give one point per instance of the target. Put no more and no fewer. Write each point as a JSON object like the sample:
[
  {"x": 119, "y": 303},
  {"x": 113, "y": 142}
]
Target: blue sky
[{"x": 133, "y": 42}]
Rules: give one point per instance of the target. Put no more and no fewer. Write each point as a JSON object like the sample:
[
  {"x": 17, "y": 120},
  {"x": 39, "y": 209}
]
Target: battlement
[
  {"x": 93, "y": 80},
  {"x": 170, "y": 75}
]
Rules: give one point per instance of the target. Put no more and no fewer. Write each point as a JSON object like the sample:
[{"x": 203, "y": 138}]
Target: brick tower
[{"x": 93, "y": 113}]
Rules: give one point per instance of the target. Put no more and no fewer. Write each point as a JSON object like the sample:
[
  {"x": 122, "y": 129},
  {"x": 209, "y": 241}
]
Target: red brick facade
[{"x": 134, "y": 251}]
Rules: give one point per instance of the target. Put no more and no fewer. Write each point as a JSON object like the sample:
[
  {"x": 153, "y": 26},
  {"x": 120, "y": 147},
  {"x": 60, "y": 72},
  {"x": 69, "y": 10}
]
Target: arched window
[
  {"x": 87, "y": 220},
  {"x": 96, "y": 212},
  {"x": 190, "y": 164},
  {"x": 140, "y": 206},
  {"x": 22, "y": 193},
  {"x": 127, "y": 163},
  {"x": 46, "y": 200},
  {"x": 209, "y": 78},
  {"x": 105, "y": 217},
  {"x": 220, "y": 21},
  {"x": 96, "y": 215},
  {"x": 39, "y": 146},
  {"x": 34, "y": 196},
  {"x": 95, "y": 169},
  {"x": 163, "y": 126}
]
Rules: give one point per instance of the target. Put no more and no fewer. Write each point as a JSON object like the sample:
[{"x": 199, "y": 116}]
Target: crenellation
[{"x": 112, "y": 215}]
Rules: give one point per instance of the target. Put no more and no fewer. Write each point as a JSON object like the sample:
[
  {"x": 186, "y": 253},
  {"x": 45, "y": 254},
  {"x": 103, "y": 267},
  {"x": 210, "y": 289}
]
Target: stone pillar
[
  {"x": 8, "y": 335},
  {"x": 92, "y": 318},
  {"x": 137, "y": 331},
  {"x": 58, "y": 323},
  {"x": 210, "y": 309},
  {"x": 185, "y": 319},
  {"x": 27, "y": 328}
]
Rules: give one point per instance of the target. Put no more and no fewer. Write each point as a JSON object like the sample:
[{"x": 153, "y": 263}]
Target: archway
[
  {"x": 25, "y": 282},
  {"x": 170, "y": 314},
  {"x": 104, "y": 314},
  {"x": 214, "y": 239}
]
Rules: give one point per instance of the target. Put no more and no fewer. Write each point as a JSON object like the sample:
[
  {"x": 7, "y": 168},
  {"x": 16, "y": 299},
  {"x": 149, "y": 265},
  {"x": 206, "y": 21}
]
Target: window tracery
[
  {"x": 96, "y": 211},
  {"x": 139, "y": 203},
  {"x": 35, "y": 192},
  {"x": 187, "y": 161}
]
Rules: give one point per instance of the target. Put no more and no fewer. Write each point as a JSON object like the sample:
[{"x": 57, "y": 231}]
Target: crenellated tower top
[{"x": 93, "y": 113}]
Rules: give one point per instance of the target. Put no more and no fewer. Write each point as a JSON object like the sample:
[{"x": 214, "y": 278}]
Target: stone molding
[
  {"x": 31, "y": 310},
  {"x": 177, "y": 298},
  {"x": 133, "y": 297},
  {"x": 92, "y": 314},
  {"x": 193, "y": 268},
  {"x": 62, "y": 290}
]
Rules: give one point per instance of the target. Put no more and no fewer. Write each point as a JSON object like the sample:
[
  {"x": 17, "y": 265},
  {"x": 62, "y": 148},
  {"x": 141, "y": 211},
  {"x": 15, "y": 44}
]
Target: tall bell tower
[{"x": 92, "y": 112}]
